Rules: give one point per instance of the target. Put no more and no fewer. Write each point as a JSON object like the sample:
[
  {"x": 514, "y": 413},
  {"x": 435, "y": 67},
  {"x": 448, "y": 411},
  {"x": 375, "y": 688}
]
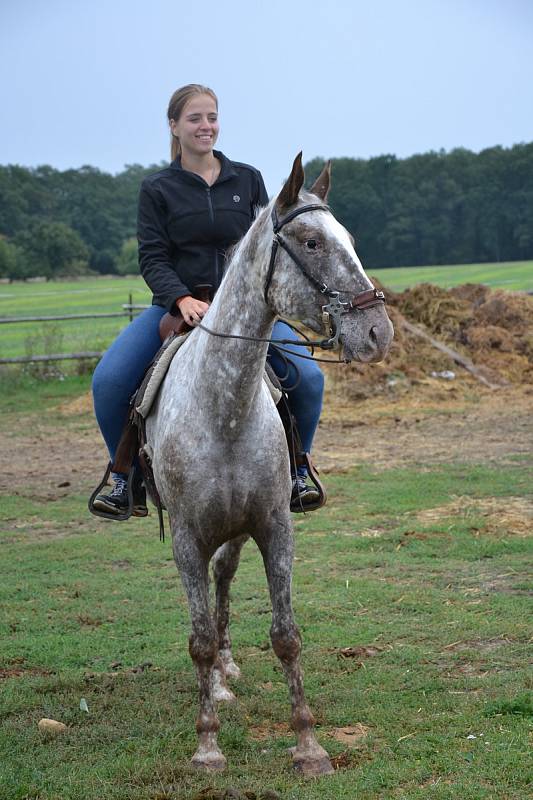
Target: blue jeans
[{"x": 122, "y": 367}]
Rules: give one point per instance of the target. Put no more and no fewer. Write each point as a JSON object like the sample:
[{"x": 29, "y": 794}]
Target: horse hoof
[
  {"x": 230, "y": 667},
  {"x": 209, "y": 762},
  {"x": 223, "y": 695},
  {"x": 221, "y": 692},
  {"x": 232, "y": 670},
  {"x": 313, "y": 766}
]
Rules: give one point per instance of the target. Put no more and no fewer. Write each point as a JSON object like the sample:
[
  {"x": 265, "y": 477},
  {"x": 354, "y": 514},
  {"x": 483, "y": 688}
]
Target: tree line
[{"x": 434, "y": 208}]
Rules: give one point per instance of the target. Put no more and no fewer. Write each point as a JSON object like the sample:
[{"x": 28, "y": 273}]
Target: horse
[{"x": 220, "y": 455}]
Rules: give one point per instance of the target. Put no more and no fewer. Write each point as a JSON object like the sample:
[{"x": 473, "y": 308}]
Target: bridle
[{"x": 331, "y": 311}]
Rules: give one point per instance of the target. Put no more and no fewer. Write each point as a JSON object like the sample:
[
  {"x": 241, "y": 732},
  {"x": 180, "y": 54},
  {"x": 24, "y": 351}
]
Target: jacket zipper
[
  {"x": 210, "y": 205},
  {"x": 212, "y": 218}
]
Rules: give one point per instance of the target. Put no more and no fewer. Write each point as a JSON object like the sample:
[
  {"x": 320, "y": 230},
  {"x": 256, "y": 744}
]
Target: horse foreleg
[
  {"x": 308, "y": 756},
  {"x": 225, "y": 563},
  {"x": 203, "y": 648}
]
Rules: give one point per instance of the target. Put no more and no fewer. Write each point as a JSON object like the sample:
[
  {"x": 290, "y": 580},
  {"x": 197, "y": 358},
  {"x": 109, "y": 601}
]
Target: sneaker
[
  {"x": 303, "y": 495},
  {"x": 116, "y": 502}
]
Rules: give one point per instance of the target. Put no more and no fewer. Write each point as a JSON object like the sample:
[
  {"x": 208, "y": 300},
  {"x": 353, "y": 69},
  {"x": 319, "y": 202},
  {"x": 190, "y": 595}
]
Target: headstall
[{"x": 335, "y": 308}]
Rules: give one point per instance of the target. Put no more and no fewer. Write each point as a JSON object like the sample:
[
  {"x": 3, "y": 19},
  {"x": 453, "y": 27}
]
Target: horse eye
[{"x": 311, "y": 244}]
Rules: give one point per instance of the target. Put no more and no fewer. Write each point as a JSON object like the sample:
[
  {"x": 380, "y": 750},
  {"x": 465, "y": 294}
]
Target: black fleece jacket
[{"x": 185, "y": 226}]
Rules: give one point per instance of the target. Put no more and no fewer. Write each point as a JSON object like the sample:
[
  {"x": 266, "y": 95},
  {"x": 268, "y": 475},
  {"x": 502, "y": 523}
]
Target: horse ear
[
  {"x": 289, "y": 194},
  {"x": 322, "y": 184}
]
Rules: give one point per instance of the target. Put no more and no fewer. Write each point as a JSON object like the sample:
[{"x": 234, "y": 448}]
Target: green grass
[
  {"x": 98, "y": 295},
  {"x": 445, "y": 600},
  {"x": 108, "y": 295},
  {"x": 514, "y": 276}
]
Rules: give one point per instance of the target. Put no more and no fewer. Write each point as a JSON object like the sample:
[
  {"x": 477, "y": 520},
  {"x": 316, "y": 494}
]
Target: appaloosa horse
[{"x": 220, "y": 453}]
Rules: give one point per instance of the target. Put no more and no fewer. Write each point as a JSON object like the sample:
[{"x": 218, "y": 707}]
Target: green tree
[
  {"x": 12, "y": 262},
  {"x": 53, "y": 249},
  {"x": 127, "y": 261}
]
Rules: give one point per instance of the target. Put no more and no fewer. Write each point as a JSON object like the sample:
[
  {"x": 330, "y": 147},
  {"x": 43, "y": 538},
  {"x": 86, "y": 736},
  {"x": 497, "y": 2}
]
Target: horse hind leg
[
  {"x": 308, "y": 755},
  {"x": 203, "y": 648},
  {"x": 225, "y": 563}
]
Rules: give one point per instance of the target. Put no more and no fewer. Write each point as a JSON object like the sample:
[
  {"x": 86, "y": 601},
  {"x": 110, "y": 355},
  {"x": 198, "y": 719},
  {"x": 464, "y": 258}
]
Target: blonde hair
[{"x": 176, "y": 105}]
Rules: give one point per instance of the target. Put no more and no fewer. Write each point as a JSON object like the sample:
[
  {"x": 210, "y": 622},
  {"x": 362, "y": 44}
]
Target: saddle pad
[
  {"x": 159, "y": 372},
  {"x": 161, "y": 368}
]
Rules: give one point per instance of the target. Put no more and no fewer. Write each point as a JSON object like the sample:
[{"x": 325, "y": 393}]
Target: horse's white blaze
[{"x": 341, "y": 234}]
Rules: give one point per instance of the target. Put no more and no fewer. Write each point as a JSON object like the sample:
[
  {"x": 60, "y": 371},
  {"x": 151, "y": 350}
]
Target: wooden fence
[{"x": 128, "y": 310}]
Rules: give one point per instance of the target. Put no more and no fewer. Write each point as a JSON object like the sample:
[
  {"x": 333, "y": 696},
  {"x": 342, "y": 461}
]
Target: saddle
[{"x": 134, "y": 452}]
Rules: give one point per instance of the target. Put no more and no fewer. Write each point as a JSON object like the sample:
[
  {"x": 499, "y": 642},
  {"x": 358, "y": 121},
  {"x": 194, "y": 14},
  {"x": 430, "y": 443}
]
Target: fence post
[{"x": 131, "y": 309}]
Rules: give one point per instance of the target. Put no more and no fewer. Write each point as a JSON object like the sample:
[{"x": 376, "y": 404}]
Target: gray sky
[{"x": 89, "y": 82}]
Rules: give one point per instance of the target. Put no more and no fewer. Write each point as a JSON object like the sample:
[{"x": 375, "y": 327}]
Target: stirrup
[
  {"x": 107, "y": 514},
  {"x": 312, "y": 472}
]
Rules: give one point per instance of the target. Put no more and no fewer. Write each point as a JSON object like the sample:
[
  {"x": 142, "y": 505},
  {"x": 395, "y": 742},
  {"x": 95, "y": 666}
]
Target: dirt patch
[
  {"x": 350, "y": 735},
  {"x": 79, "y": 405},
  {"x": 18, "y": 670},
  {"x": 38, "y": 458},
  {"x": 269, "y": 730},
  {"x": 502, "y": 516},
  {"x": 35, "y": 529},
  {"x": 359, "y": 651},
  {"x": 474, "y": 582},
  {"x": 480, "y": 645},
  {"x": 439, "y": 424}
]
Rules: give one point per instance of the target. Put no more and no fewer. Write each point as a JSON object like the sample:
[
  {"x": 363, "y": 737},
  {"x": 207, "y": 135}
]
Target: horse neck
[{"x": 234, "y": 367}]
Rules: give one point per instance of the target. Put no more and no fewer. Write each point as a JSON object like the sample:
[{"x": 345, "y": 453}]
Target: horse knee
[
  {"x": 203, "y": 647},
  {"x": 286, "y": 644}
]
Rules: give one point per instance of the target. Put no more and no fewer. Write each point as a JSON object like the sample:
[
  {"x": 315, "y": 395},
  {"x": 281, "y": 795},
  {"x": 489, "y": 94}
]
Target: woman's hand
[{"x": 192, "y": 310}]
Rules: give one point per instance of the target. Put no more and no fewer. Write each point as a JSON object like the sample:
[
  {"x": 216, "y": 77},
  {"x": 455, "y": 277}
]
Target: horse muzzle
[{"x": 367, "y": 336}]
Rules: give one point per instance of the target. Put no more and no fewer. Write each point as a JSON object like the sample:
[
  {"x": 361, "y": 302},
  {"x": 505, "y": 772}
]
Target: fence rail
[
  {"x": 6, "y": 320},
  {"x": 128, "y": 310},
  {"x": 51, "y": 357}
]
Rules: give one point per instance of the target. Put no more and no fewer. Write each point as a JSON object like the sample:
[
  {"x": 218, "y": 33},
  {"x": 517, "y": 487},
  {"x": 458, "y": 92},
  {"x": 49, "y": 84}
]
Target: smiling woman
[
  {"x": 193, "y": 121},
  {"x": 190, "y": 214}
]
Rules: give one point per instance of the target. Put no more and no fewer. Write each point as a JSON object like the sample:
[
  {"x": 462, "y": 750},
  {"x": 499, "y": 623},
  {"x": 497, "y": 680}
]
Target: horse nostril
[{"x": 373, "y": 335}]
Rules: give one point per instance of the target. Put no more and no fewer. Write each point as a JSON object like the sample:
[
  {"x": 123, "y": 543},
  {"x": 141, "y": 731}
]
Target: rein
[
  {"x": 331, "y": 312},
  {"x": 323, "y": 343}
]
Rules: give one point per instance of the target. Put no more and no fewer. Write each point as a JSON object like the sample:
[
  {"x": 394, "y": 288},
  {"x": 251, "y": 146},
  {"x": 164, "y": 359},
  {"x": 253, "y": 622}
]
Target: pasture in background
[
  {"x": 85, "y": 296},
  {"x": 513, "y": 276}
]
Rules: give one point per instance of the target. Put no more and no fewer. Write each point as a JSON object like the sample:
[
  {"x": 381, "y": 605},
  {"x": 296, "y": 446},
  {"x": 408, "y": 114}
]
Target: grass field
[
  {"x": 96, "y": 295},
  {"x": 435, "y": 703},
  {"x": 514, "y": 276},
  {"x": 108, "y": 295}
]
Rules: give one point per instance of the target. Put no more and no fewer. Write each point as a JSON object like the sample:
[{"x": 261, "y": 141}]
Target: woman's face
[{"x": 197, "y": 127}]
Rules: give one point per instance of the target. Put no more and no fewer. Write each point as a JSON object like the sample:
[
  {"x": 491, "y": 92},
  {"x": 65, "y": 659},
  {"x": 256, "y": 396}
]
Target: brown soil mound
[
  {"x": 493, "y": 329},
  {"x": 435, "y": 308}
]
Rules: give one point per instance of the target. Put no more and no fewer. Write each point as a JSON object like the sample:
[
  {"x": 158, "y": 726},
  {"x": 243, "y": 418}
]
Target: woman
[{"x": 189, "y": 214}]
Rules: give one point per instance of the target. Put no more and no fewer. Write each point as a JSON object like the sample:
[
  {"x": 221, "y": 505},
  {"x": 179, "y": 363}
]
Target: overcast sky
[{"x": 89, "y": 82}]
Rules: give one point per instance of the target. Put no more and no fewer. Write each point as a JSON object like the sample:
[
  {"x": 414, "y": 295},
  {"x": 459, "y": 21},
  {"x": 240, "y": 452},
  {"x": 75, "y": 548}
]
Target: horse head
[{"x": 314, "y": 269}]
